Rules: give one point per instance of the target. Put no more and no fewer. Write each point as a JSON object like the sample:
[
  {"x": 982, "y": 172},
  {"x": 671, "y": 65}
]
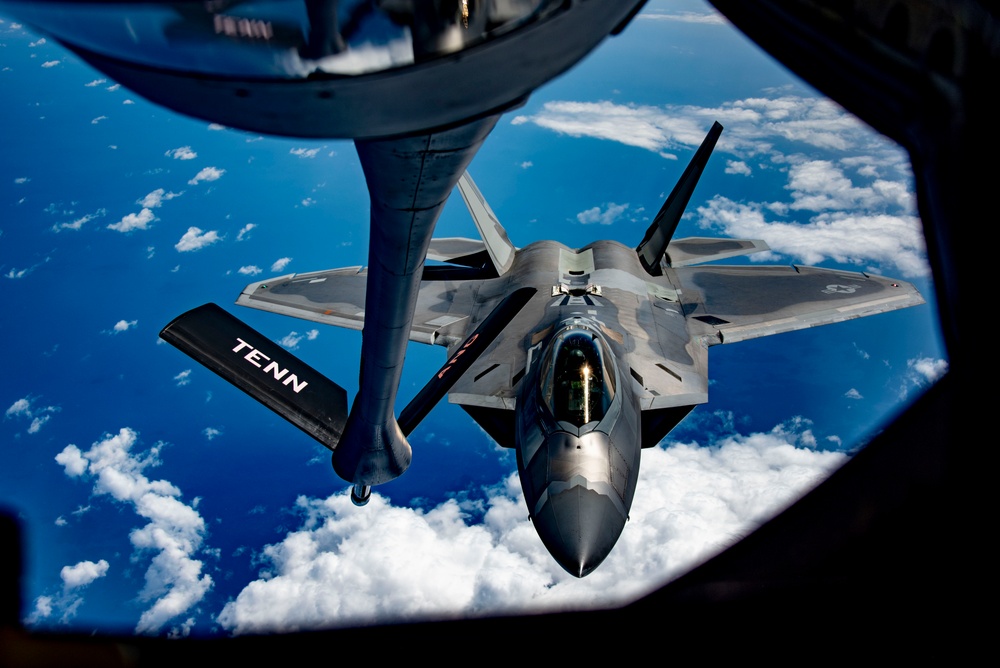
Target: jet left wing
[
  {"x": 337, "y": 297},
  {"x": 729, "y": 304}
]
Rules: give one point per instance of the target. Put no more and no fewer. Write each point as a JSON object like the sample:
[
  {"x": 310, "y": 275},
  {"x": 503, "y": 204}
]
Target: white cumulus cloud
[
  {"x": 25, "y": 408},
  {"x": 250, "y": 270},
  {"x": 737, "y": 167},
  {"x": 195, "y": 239},
  {"x": 181, "y": 153},
  {"x": 280, "y": 264},
  {"x": 207, "y": 174},
  {"x": 292, "y": 340},
  {"x": 124, "y": 326},
  {"x": 691, "y": 502},
  {"x": 244, "y": 231},
  {"x": 134, "y": 221},
  {"x": 607, "y": 215},
  {"x": 173, "y": 533},
  {"x": 156, "y": 198},
  {"x": 83, "y": 573}
]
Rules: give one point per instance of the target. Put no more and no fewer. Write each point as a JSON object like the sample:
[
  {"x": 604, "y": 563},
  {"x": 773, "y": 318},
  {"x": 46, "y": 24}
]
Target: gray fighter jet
[{"x": 577, "y": 358}]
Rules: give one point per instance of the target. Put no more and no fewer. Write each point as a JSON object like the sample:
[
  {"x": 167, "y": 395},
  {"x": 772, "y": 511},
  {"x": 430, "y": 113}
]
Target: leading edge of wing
[
  {"x": 337, "y": 297},
  {"x": 745, "y": 302}
]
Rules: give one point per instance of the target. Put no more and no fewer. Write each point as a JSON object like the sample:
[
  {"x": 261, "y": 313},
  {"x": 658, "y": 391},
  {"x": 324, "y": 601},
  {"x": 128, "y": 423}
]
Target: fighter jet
[{"x": 575, "y": 358}]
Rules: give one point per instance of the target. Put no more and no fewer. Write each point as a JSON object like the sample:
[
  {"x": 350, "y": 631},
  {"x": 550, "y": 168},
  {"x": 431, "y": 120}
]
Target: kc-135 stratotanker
[{"x": 576, "y": 358}]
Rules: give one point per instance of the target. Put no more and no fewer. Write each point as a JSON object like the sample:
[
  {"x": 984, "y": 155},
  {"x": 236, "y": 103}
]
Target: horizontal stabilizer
[
  {"x": 695, "y": 250},
  {"x": 654, "y": 244},
  {"x": 463, "y": 358},
  {"x": 262, "y": 369}
]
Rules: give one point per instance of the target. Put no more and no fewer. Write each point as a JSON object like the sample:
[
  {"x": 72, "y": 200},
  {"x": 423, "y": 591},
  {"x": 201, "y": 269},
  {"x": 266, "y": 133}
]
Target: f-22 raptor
[{"x": 576, "y": 358}]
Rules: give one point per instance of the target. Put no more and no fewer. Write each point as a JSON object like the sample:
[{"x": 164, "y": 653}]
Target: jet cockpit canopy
[{"x": 577, "y": 376}]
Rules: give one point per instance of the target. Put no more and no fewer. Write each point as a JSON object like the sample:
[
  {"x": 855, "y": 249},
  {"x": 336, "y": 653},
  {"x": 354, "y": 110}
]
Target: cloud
[
  {"x": 21, "y": 273},
  {"x": 526, "y": 164},
  {"x": 43, "y": 608},
  {"x": 79, "y": 222},
  {"x": 211, "y": 432},
  {"x": 753, "y": 125},
  {"x": 216, "y": 126},
  {"x": 183, "y": 378},
  {"x": 292, "y": 340},
  {"x": 134, "y": 221},
  {"x": 280, "y": 264},
  {"x": 250, "y": 270},
  {"x": 95, "y": 83},
  {"x": 156, "y": 198},
  {"x": 691, "y": 502},
  {"x": 21, "y": 179},
  {"x": 819, "y": 185},
  {"x": 182, "y": 153},
  {"x": 50, "y": 63},
  {"x": 611, "y": 213},
  {"x": 174, "y": 532},
  {"x": 207, "y": 174},
  {"x": 20, "y": 407},
  {"x": 857, "y": 238},
  {"x": 97, "y": 120},
  {"x": 928, "y": 369},
  {"x": 713, "y": 18},
  {"x": 244, "y": 231},
  {"x": 83, "y": 573},
  {"x": 25, "y": 408},
  {"x": 853, "y": 394},
  {"x": 304, "y": 152},
  {"x": 195, "y": 239},
  {"x": 124, "y": 326},
  {"x": 37, "y": 42},
  {"x": 737, "y": 167}
]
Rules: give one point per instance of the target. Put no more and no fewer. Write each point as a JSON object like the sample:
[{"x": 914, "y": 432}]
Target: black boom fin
[
  {"x": 263, "y": 369},
  {"x": 654, "y": 244},
  {"x": 464, "y": 356}
]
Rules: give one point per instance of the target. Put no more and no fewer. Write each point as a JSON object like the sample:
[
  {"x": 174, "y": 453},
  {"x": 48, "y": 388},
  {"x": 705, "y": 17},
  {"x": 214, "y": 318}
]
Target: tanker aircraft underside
[{"x": 576, "y": 358}]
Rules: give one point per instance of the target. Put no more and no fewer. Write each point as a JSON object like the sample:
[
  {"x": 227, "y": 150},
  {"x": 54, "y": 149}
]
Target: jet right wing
[{"x": 729, "y": 304}]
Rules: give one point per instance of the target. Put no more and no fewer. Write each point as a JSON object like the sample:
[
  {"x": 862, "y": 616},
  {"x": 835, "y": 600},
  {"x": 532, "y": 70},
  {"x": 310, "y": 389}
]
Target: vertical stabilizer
[
  {"x": 499, "y": 247},
  {"x": 654, "y": 244}
]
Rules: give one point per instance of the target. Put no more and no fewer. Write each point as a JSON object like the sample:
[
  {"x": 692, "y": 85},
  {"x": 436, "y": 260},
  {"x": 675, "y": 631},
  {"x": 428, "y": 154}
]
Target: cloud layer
[
  {"x": 381, "y": 562},
  {"x": 850, "y": 195},
  {"x": 174, "y": 532}
]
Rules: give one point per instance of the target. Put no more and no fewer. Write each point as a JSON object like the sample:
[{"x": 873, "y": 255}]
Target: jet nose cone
[{"x": 579, "y": 527}]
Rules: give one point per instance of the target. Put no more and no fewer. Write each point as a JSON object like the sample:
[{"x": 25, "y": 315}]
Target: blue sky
[{"x": 158, "y": 499}]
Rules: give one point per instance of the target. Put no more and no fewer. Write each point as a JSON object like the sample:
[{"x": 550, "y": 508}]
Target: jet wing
[
  {"x": 730, "y": 304},
  {"x": 337, "y": 297}
]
